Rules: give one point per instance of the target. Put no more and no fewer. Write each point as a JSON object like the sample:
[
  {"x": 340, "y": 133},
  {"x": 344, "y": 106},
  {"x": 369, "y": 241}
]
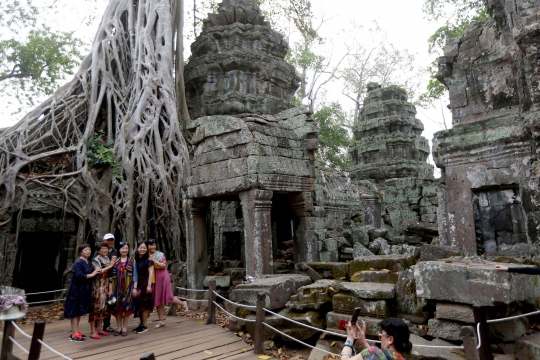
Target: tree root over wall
[{"x": 126, "y": 88}]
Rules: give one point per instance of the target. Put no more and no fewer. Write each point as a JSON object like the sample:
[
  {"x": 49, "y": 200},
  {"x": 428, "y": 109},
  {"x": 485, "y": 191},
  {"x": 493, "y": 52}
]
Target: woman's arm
[{"x": 150, "y": 277}]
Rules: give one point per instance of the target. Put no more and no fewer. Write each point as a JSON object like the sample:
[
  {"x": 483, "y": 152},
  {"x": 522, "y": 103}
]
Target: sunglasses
[
  {"x": 151, "y": 241},
  {"x": 122, "y": 243}
]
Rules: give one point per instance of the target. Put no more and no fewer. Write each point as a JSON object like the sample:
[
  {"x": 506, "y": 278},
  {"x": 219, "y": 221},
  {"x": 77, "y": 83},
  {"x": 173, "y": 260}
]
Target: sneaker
[
  {"x": 109, "y": 329},
  {"x": 142, "y": 329},
  {"x": 76, "y": 338},
  {"x": 138, "y": 328}
]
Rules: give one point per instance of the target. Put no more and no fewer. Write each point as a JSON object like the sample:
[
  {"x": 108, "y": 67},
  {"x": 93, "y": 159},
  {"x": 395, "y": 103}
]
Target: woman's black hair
[
  {"x": 137, "y": 256},
  {"x": 122, "y": 244},
  {"x": 81, "y": 247},
  {"x": 400, "y": 331}
]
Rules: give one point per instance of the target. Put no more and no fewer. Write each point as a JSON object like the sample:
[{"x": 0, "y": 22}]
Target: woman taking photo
[
  {"x": 100, "y": 291},
  {"x": 145, "y": 274},
  {"x": 162, "y": 282},
  {"x": 394, "y": 338},
  {"x": 123, "y": 287},
  {"x": 79, "y": 295}
]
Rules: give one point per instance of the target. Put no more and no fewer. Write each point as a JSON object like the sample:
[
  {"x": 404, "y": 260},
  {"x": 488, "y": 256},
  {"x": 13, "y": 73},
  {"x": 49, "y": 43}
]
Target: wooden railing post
[
  {"x": 35, "y": 346},
  {"x": 484, "y": 353},
  {"x": 469, "y": 343},
  {"x": 7, "y": 345},
  {"x": 259, "y": 326},
  {"x": 149, "y": 357},
  {"x": 211, "y": 305}
]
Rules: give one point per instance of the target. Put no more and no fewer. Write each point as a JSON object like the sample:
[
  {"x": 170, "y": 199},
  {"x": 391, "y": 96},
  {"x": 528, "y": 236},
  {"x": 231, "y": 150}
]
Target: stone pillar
[
  {"x": 256, "y": 208},
  {"x": 306, "y": 240},
  {"x": 371, "y": 210},
  {"x": 196, "y": 245}
]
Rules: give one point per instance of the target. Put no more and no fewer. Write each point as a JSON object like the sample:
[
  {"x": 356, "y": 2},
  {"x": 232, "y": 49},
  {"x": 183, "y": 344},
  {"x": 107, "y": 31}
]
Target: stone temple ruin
[{"x": 388, "y": 238}]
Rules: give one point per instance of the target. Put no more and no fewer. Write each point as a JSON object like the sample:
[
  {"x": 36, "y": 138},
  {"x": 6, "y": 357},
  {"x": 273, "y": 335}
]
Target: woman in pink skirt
[{"x": 162, "y": 287}]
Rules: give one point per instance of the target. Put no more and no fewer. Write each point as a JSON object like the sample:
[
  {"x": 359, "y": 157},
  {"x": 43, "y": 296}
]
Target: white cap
[{"x": 108, "y": 236}]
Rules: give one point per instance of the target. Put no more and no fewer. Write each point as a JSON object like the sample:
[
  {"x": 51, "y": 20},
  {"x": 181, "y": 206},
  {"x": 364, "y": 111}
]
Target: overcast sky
[{"x": 402, "y": 20}]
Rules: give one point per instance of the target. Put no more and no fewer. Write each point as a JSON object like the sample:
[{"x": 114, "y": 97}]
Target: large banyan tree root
[{"x": 124, "y": 87}]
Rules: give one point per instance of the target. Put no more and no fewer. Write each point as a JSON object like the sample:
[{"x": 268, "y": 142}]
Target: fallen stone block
[
  {"x": 311, "y": 318},
  {"x": 326, "y": 344},
  {"x": 509, "y": 331},
  {"x": 528, "y": 347},
  {"x": 437, "y": 252},
  {"x": 447, "y": 330},
  {"x": 473, "y": 282},
  {"x": 360, "y": 250},
  {"x": 365, "y": 290},
  {"x": 313, "y": 296},
  {"x": 278, "y": 290},
  {"x": 424, "y": 353},
  {"x": 221, "y": 281},
  {"x": 343, "y": 303},
  {"x": 408, "y": 304},
  {"x": 455, "y": 312},
  {"x": 331, "y": 270},
  {"x": 388, "y": 277},
  {"x": 389, "y": 262}
]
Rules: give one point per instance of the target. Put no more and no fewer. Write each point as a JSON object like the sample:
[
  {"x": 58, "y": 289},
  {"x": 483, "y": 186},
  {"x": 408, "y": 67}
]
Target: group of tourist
[{"x": 115, "y": 283}]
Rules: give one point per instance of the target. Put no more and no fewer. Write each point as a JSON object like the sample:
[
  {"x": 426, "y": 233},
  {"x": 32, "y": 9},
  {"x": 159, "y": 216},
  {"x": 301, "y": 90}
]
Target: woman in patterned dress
[
  {"x": 145, "y": 274},
  {"x": 123, "y": 286},
  {"x": 394, "y": 338},
  {"x": 162, "y": 282},
  {"x": 100, "y": 291},
  {"x": 79, "y": 295}
]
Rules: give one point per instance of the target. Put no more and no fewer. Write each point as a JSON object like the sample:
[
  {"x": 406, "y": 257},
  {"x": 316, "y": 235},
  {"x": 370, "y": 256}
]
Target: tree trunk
[{"x": 126, "y": 87}]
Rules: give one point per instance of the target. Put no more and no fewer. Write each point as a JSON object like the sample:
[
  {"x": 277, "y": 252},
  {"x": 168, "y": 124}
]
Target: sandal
[
  {"x": 161, "y": 323},
  {"x": 117, "y": 332},
  {"x": 103, "y": 333},
  {"x": 95, "y": 336},
  {"x": 124, "y": 333}
]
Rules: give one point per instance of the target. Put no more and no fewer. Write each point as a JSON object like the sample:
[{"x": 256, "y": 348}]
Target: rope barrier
[
  {"x": 21, "y": 330},
  {"x": 45, "y": 292},
  {"x": 479, "y": 337},
  {"x": 512, "y": 317},
  {"x": 250, "y": 307},
  {"x": 231, "y": 315},
  {"x": 54, "y": 351},
  {"x": 18, "y": 345},
  {"x": 44, "y": 302},
  {"x": 194, "y": 290},
  {"x": 308, "y": 326},
  {"x": 196, "y": 300},
  {"x": 298, "y": 341}
]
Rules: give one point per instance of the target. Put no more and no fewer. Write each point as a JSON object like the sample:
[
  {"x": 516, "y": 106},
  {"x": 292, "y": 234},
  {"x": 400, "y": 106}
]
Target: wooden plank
[{"x": 181, "y": 338}]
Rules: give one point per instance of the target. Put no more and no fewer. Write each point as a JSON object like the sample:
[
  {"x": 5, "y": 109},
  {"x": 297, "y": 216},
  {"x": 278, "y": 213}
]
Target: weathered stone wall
[
  {"x": 489, "y": 160},
  {"x": 237, "y": 65}
]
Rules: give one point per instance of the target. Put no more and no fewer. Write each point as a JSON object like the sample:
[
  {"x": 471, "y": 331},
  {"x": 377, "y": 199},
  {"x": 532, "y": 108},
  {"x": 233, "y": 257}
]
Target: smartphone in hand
[{"x": 355, "y": 314}]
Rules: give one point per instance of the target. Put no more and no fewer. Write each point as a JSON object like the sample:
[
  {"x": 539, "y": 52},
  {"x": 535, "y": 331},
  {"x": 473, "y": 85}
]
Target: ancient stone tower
[
  {"x": 391, "y": 151},
  {"x": 237, "y": 65},
  {"x": 389, "y": 141}
]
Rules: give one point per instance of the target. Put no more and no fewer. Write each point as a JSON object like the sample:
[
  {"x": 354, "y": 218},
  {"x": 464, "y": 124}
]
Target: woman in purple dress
[
  {"x": 79, "y": 296},
  {"x": 162, "y": 282}
]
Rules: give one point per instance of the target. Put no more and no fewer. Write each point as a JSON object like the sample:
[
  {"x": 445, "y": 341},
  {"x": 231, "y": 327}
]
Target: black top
[
  {"x": 525, "y": 270},
  {"x": 110, "y": 255}
]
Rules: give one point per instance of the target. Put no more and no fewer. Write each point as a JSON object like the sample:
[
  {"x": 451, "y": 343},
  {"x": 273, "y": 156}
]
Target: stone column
[
  {"x": 256, "y": 207},
  {"x": 306, "y": 240},
  {"x": 196, "y": 245},
  {"x": 371, "y": 209}
]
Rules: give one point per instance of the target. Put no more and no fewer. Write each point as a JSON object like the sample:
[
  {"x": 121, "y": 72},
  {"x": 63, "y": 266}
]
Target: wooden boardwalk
[{"x": 181, "y": 338}]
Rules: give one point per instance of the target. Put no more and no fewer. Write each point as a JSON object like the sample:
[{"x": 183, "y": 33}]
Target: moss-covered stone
[
  {"x": 389, "y": 262},
  {"x": 376, "y": 276},
  {"x": 330, "y": 270},
  {"x": 344, "y": 303}
]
